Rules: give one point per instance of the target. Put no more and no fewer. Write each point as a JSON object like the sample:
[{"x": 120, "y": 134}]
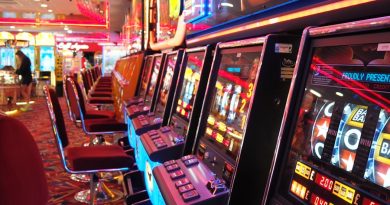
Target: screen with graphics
[
  {"x": 340, "y": 149},
  {"x": 165, "y": 84},
  {"x": 30, "y": 53},
  {"x": 46, "y": 58},
  {"x": 232, "y": 94},
  {"x": 187, "y": 92},
  {"x": 146, "y": 75},
  {"x": 153, "y": 80}
]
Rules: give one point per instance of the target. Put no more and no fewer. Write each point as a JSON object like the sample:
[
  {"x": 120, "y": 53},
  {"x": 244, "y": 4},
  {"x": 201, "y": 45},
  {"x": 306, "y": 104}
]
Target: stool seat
[
  {"x": 98, "y": 157},
  {"x": 104, "y": 125},
  {"x": 98, "y": 114},
  {"x": 100, "y": 94},
  {"x": 100, "y": 100}
]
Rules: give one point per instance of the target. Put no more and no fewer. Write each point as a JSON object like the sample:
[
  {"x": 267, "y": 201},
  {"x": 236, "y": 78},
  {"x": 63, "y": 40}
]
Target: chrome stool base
[
  {"x": 84, "y": 178},
  {"x": 103, "y": 195}
]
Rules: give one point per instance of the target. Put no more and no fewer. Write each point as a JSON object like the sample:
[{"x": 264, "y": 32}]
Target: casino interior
[{"x": 212, "y": 102}]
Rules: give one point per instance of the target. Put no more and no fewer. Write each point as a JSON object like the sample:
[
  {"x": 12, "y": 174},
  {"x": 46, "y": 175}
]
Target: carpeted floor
[{"x": 61, "y": 187}]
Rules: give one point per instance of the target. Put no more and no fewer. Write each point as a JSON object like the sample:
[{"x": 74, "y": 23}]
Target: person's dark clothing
[{"x": 25, "y": 71}]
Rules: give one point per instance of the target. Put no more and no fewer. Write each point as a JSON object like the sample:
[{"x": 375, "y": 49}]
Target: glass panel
[
  {"x": 153, "y": 81},
  {"x": 231, "y": 97},
  {"x": 166, "y": 84},
  {"x": 189, "y": 88},
  {"x": 146, "y": 75},
  {"x": 341, "y": 134}
]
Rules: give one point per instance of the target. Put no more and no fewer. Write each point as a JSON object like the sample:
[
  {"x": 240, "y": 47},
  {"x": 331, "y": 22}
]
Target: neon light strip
[{"x": 283, "y": 18}]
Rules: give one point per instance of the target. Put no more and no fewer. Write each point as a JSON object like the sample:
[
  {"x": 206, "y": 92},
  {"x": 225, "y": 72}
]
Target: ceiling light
[
  {"x": 37, "y": 0},
  {"x": 20, "y": 30},
  {"x": 43, "y": 5},
  {"x": 339, "y": 94},
  {"x": 12, "y": 27},
  {"x": 50, "y": 10},
  {"x": 66, "y": 28},
  {"x": 70, "y": 31}
]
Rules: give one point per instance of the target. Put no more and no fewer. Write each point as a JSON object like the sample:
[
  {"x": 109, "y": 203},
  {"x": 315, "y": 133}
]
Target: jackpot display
[
  {"x": 229, "y": 109},
  {"x": 340, "y": 147}
]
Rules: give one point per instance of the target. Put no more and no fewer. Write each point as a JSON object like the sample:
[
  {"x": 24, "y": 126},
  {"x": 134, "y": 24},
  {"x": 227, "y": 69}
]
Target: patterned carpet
[{"x": 61, "y": 188}]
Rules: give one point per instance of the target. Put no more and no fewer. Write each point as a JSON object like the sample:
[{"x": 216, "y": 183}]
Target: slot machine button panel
[
  {"x": 186, "y": 188},
  {"x": 191, "y": 195},
  {"x": 165, "y": 129},
  {"x": 177, "y": 175},
  {"x": 191, "y": 162},
  {"x": 152, "y": 132},
  {"x": 170, "y": 162},
  {"x": 172, "y": 168},
  {"x": 182, "y": 182},
  {"x": 187, "y": 157}
]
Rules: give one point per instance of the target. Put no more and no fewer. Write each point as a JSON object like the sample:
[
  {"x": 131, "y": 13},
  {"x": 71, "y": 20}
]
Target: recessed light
[
  {"x": 12, "y": 27},
  {"x": 66, "y": 28},
  {"x": 70, "y": 31},
  {"x": 33, "y": 26},
  {"x": 50, "y": 10},
  {"x": 37, "y": 0},
  {"x": 20, "y": 30},
  {"x": 43, "y": 5}
]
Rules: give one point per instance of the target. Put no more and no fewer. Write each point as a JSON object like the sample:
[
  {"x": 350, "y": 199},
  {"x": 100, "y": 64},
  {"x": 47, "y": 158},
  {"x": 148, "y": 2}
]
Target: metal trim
[{"x": 351, "y": 27}]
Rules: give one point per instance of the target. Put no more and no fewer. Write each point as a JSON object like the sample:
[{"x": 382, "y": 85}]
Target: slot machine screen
[
  {"x": 166, "y": 83},
  {"x": 46, "y": 58},
  {"x": 232, "y": 95},
  {"x": 146, "y": 75},
  {"x": 188, "y": 90},
  {"x": 340, "y": 148},
  {"x": 153, "y": 80}
]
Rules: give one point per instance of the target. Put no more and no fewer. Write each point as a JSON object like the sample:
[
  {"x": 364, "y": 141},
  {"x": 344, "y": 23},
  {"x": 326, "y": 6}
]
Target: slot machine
[
  {"x": 334, "y": 142},
  {"x": 161, "y": 105},
  {"x": 247, "y": 89},
  {"x": 146, "y": 102},
  {"x": 142, "y": 87},
  {"x": 168, "y": 142}
]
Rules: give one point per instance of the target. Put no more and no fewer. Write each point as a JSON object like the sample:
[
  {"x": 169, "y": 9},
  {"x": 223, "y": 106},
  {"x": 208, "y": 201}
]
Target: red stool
[
  {"x": 23, "y": 179},
  {"x": 87, "y": 160}
]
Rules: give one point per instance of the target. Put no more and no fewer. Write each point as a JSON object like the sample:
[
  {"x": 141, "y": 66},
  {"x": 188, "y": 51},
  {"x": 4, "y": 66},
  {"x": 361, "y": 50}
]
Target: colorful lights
[
  {"x": 11, "y": 112},
  {"x": 298, "y": 189},
  {"x": 344, "y": 192},
  {"x": 283, "y": 18},
  {"x": 303, "y": 170}
]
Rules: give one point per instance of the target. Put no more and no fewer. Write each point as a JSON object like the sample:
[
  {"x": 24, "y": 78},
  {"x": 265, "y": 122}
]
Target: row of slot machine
[{"x": 250, "y": 122}]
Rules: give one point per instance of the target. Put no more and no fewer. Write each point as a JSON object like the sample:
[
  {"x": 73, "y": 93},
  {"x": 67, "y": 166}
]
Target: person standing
[{"x": 25, "y": 71}]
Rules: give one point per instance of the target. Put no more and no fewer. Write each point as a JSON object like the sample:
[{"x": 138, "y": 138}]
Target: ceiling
[
  {"x": 58, "y": 6},
  {"x": 64, "y": 9}
]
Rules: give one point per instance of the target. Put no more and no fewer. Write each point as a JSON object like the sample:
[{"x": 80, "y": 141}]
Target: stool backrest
[
  {"x": 64, "y": 86},
  {"x": 87, "y": 86},
  {"x": 93, "y": 74},
  {"x": 56, "y": 117},
  {"x": 89, "y": 77},
  {"x": 73, "y": 98},
  {"x": 23, "y": 179}
]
